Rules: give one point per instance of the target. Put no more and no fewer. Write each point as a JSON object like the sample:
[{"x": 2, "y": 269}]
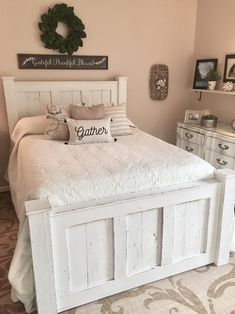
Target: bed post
[
  {"x": 38, "y": 213},
  {"x": 9, "y": 91},
  {"x": 122, "y": 89},
  {"x": 226, "y": 215}
]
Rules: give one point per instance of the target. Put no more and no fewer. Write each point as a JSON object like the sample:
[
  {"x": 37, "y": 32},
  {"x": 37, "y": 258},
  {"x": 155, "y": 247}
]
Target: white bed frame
[{"x": 84, "y": 252}]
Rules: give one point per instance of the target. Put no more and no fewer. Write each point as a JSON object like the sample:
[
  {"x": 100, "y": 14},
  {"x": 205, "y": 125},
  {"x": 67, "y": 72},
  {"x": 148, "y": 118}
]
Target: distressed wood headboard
[{"x": 28, "y": 98}]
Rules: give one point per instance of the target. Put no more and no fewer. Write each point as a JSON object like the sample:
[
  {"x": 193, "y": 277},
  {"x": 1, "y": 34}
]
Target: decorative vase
[{"x": 211, "y": 85}]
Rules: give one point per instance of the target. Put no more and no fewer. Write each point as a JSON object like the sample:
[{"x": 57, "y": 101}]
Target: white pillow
[
  {"x": 120, "y": 125},
  {"x": 89, "y": 131},
  {"x": 56, "y": 128}
]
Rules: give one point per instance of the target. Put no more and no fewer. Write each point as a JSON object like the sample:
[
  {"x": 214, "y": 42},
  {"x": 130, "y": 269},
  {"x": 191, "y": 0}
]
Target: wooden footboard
[{"x": 84, "y": 254}]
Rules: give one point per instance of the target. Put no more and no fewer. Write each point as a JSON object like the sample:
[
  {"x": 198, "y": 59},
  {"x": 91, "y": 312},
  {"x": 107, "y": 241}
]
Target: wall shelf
[{"x": 201, "y": 91}]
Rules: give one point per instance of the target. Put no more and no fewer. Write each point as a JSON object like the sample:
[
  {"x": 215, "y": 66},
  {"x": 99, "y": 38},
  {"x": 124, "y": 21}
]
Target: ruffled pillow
[
  {"x": 56, "y": 125},
  {"x": 89, "y": 131}
]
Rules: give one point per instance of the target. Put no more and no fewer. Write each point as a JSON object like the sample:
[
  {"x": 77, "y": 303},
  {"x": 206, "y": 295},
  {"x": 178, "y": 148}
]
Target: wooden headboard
[{"x": 28, "y": 98}]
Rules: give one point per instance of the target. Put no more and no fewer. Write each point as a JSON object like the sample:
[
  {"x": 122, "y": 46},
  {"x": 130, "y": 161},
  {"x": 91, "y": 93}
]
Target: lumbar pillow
[
  {"x": 89, "y": 131},
  {"x": 56, "y": 125},
  {"x": 120, "y": 125},
  {"x": 87, "y": 112}
]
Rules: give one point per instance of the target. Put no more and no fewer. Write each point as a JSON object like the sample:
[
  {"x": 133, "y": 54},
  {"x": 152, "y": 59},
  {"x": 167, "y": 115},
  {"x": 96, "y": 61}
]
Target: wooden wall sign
[{"x": 52, "y": 62}]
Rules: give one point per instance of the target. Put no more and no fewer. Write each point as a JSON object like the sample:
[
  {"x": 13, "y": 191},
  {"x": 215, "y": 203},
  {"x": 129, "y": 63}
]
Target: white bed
[{"x": 175, "y": 213}]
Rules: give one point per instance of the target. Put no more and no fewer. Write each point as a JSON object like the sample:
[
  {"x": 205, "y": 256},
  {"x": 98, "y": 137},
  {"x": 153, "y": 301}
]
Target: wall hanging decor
[
  {"x": 53, "y": 40},
  {"x": 158, "y": 81},
  {"x": 52, "y": 62}
]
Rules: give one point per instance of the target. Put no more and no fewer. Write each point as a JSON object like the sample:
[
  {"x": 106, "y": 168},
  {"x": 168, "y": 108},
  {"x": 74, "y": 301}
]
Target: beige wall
[
  {"x": 134, "y": 34},
  {"x": 215, "y": 31}
]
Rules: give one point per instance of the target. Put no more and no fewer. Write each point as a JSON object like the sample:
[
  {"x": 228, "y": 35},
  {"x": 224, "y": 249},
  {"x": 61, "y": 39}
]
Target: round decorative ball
[
  {"x": 48, "y": 25},
  {"x": 228, "y": 87}
]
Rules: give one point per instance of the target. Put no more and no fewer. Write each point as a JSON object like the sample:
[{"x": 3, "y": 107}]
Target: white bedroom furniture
[
  {"x": 84, "y": 252},
  {"x": 215, "y": 145}
]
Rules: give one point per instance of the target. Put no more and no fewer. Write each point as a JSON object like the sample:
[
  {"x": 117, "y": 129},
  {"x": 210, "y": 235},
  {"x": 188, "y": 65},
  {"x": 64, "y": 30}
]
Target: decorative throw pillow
[
  {"x": 87, "y": 112},
  {"x": 56, "y": 125},
  {"x": 89, "y": 131},
  {"x": 120, "y": 125}
]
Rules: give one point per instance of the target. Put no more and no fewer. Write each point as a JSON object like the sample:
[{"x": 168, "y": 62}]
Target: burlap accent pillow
[{"x": 87, "y": 112}]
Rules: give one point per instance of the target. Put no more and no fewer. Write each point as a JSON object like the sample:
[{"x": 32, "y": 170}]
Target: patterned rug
[{"x": 207, "y": 290}]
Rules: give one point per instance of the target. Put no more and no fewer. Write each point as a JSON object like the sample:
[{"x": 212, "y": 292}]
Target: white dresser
[{"x": 215, "y": 145}]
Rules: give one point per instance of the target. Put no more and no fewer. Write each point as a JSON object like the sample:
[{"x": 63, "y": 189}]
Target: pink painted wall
[
  {"x": 214, "y": 38},
  {"x": 134, "y": 34}
]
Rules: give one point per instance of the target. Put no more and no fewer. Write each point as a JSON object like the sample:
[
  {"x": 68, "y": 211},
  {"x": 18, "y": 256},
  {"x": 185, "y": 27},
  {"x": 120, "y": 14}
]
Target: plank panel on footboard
[{"x": 107, "y": 252}]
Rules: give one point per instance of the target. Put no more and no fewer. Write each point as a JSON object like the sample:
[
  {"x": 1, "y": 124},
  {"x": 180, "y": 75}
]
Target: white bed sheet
[{"x": 66, "y": 174}]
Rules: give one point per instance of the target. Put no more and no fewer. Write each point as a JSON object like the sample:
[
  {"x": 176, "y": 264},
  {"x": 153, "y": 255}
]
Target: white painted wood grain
[
  {"x": 77, "y": 257},
  {"x": 120, "y": 247},
  {"x": 168, "y": 234},
  {"x": 99, "y": 235},
  {"x": 43, "y": 262},
  {"x": 88, "y": 92},
  {"x": 226, "y": 215},
  {"x": 134, "y": 243}
]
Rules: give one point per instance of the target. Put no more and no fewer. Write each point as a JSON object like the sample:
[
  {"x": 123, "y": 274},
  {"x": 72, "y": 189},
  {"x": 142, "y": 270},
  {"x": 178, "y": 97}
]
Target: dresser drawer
[
  {"x": 189, "y": 147},
  {"x": 219, "y": 160},
  {"x": 191, "y": 136},
  {"x": 221, "y": 146}
]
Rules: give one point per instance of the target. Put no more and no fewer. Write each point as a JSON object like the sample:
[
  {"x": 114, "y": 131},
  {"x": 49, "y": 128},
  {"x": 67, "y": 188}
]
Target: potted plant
[
  {"x": 212, "y": 78},
  {"x": 209, "y": 121}
]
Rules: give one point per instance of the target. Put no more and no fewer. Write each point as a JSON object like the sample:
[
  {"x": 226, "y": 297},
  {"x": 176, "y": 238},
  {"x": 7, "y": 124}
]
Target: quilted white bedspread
[{"x": 65, "y": 174}]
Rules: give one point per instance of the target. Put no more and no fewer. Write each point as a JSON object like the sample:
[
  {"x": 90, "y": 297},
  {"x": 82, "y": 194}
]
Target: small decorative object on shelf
[
  {"x": 233, "y": 125},
  {"x": 228, "y": 87},
  {"x": 209, "y": 121},
  {"x": 212, "y": 77}
]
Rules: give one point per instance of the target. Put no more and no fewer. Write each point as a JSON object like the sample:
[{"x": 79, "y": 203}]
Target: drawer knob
[
  {"x": 221, "y": 162},
  {"x": 189, "y": 149},
  {"x": 188, "y": 135},
  {"x": 223, "y": 147}
]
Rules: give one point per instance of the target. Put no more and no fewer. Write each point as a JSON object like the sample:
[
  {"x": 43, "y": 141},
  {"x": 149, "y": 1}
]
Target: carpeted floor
[{"x": 208, "y": 290}]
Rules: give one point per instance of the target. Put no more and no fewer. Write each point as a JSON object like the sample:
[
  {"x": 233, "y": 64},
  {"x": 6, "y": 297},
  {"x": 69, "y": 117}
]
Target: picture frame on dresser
[
  {"x": 229, "y": 68},
  {"x": 203, "y": 67},
  {"x": 193, "y": 116}
]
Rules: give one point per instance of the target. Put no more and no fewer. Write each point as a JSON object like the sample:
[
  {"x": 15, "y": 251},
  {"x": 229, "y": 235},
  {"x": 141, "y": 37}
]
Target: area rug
[{"x": 207, "y": 290}]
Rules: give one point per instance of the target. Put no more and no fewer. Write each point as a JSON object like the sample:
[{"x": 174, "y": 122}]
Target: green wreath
[{"x": 48, "y": 25}]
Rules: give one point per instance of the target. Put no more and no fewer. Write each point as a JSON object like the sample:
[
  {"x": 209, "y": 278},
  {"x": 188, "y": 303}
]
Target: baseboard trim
[{"x": 4, "y": 188}]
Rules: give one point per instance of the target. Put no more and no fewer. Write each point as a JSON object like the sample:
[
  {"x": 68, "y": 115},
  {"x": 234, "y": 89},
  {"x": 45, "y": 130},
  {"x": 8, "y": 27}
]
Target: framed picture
[
  {"x": 229, "y": 68},
  {"x": 193, "y": 116},
  {"x": 203, "y": 66}
]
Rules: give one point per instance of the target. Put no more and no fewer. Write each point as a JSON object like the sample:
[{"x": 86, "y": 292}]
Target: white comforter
[{"x": 65, "y": 174}]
